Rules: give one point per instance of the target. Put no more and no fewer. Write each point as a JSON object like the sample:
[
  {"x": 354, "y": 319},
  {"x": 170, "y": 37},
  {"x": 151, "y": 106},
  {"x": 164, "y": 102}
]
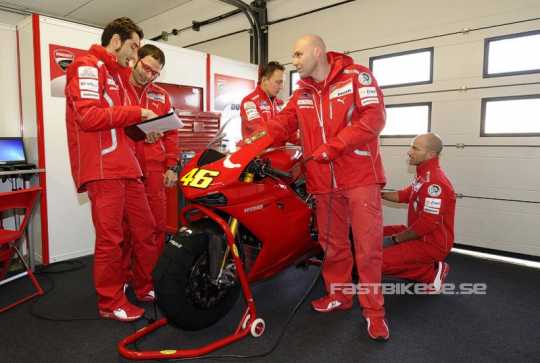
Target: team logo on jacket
[
  {"x": 159, "y": 97},
  {"x": 434, "y": 190},
  {"x": 365, "y": 79},
  {"x": 341, "y": 90}
]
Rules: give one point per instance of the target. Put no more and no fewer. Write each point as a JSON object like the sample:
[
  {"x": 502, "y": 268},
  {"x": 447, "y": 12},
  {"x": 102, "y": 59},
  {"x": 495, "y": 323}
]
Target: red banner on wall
[{"x": 60, "y": 57}]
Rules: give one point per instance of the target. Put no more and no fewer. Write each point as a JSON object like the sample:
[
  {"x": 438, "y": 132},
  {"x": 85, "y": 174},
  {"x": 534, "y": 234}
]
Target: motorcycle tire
[{"x": 185, "y": 298}]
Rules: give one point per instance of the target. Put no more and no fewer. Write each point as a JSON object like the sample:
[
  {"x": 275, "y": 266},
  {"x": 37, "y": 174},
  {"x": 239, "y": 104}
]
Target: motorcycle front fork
[{"x": 233, "y": 225}]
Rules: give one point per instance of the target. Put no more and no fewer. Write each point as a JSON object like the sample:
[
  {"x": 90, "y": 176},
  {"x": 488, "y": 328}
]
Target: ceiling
[{"x": 95, "y": 12}]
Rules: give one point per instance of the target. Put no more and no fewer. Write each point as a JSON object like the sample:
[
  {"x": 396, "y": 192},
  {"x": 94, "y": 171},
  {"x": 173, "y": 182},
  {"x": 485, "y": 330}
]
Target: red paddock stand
[{"x": 249, "y": 323}]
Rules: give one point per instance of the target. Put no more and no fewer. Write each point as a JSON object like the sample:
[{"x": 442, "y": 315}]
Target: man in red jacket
[
  {"x": 104, "y": 164},
  {"x": 417, "y": 251},
  {"x": 339, "y": 110},
  {"x": 262, "y": 104},
  {"x": 160, "y": 158}
]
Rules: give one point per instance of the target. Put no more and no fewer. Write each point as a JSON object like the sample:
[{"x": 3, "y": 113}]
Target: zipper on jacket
[{"x": 321, "y": 124}]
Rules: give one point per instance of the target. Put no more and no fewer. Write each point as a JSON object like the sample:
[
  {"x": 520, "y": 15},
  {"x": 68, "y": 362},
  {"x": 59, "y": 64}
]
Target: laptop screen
[{"x": 12, "y": 150}]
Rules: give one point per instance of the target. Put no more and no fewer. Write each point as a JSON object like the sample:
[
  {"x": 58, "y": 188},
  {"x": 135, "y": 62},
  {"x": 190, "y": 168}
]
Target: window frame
[
  {"x": 290, "y": 81},
  {"x": 403, "y": 136},
  {"x": 484, "y": 102},
  {"x": 431, "y": 50},
  {"x": 485, "y": 73}
]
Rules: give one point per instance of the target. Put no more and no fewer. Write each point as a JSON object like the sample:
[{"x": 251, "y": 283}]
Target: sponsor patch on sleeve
[
  {"x": 434, "y": 190},
  {"x": 367, "y": 92},
  {"x": 369, "y": 101},
  {"x": 368, "y": 95},
  {"x": 90, "y": 95},
  {"x": 432, "y": 205},
  {"x": 88, "y": 84},
  {"x": 87, "y": 72},
  {"x": 252, "y": 114},
  {"x": 250, "y": 106}
]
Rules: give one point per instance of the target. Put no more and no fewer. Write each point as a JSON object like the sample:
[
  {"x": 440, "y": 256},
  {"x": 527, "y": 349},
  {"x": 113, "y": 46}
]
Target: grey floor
[{"x": 501, "y": 326}]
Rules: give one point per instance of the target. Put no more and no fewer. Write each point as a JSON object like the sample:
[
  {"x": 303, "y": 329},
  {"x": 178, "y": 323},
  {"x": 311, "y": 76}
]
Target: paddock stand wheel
[{"x": 257, "y": 327}]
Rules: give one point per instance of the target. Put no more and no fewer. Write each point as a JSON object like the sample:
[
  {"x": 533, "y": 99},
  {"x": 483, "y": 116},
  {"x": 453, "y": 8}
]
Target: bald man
[
  {"x": 417, "y": 251},
  {"x": 339, "y": 110}
]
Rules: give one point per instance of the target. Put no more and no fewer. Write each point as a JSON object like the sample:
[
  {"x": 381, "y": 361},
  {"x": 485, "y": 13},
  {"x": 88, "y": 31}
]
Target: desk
[{"x": 26, "y": 174}]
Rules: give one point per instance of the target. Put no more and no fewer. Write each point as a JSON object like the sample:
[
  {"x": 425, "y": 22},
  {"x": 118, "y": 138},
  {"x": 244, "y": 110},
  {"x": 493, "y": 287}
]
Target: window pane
[
  {"x": 403, "y": 69},
  {"x": 518, "y": 54},
  {"x": 406, "y": 120},
  {"x": 295, "y": 77},
  {"x": 515, "y": 116}
]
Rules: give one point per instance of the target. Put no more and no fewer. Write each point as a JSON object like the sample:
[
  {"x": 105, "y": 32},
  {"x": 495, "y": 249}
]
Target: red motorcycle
[{"x": 248, "y": 217}]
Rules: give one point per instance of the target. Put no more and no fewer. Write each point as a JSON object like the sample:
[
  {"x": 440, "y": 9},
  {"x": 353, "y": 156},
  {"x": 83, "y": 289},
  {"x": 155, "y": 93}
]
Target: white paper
[{"x": 162, "y": 124}]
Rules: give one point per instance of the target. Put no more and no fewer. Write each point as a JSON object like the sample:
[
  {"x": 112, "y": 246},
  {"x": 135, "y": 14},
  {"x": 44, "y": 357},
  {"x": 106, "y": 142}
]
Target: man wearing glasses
[{"x": 158, "y": 156}]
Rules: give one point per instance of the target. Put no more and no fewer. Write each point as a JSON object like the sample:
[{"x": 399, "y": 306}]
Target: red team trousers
[
  {"x": 111, "y": 201},
  {"x": 411, "y": 260},
  {"x": 360, "y": 208}
]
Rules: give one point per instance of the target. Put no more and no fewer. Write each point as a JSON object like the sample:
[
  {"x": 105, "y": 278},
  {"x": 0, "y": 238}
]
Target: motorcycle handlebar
[{"x": 276, "y": 172}]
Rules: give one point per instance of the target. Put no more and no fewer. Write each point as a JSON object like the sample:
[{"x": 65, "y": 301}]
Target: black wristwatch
[{"x": 393, "y": 237}]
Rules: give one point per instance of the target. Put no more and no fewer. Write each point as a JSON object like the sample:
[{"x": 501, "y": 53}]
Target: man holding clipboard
[
  {"x": 104, "y": 164},
  {"x": 157, "y": 155}
]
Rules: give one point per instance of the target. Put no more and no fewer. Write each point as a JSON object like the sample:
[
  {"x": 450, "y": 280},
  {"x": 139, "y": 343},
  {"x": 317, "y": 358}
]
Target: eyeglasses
[{"x": 149, "y": 69}]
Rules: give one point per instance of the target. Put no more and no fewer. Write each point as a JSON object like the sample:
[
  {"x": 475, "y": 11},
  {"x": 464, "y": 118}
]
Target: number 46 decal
[{"x": 199, "y": 178}]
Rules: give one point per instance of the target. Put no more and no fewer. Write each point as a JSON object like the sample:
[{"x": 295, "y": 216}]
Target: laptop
[{"x": 13, "y": 154}]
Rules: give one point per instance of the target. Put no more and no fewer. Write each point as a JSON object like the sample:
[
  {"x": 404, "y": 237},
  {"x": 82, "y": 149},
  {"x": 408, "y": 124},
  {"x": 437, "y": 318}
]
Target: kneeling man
[{"x": 417, "y": 251}]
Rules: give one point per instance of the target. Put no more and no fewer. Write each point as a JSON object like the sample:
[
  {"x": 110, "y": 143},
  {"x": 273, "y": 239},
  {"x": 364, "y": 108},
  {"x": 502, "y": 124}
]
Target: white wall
[
  {"x": 489, "y": 172},
  {"x": 9, "y": 92}
]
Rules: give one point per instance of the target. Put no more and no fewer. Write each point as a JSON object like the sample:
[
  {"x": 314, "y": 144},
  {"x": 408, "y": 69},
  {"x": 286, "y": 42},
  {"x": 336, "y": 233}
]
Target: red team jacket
[
  {"x": 256, "y": 109},
  {"x": 346, "y": 112},
  {"x": 432, "y": 205},
  {"x": 164, "y": 152},
  {"x": 96, "y": 114}
]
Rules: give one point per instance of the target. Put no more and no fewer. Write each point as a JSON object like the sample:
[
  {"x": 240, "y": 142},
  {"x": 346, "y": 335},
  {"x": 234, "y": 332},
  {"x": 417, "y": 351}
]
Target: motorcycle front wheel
[{"x": 187, "y": 292}]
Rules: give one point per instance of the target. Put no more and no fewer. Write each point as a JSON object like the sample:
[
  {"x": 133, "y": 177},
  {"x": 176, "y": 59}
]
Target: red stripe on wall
[
  {"x": 208, "y": 81},
  {"x": 21, "y": 128},
  {"x": 40, "y": 138}
]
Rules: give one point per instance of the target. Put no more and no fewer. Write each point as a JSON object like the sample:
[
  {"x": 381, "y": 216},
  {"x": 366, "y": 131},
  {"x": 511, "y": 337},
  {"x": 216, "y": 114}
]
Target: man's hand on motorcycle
[{"x": 324, "y": 154}]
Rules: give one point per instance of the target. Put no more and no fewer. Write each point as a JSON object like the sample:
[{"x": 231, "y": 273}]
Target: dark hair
[
  {"x": 269, "y": 69},
  {"x": 153, "y": 51},
  {"x": 124, "y": 27}
]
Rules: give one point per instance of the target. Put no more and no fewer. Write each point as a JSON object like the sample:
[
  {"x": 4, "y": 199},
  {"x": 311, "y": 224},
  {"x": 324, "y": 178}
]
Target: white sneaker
[{"x": 440, "y": 277}]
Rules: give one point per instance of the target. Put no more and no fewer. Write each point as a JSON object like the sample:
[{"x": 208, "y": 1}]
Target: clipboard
[{"x": 167, "y": 122}]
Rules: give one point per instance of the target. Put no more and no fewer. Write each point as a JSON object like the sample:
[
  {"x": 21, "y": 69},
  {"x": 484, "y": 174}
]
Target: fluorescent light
[{"x": 493, "y": 257}]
